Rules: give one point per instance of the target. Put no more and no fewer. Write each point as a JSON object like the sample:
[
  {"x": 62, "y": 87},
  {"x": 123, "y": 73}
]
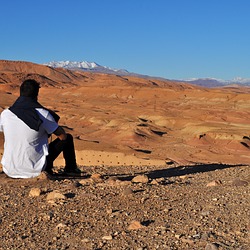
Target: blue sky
[{"x": 175, "y": 39}]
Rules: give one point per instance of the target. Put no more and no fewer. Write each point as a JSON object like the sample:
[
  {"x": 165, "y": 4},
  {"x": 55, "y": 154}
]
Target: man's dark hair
[{"x": 29, "y": 88}]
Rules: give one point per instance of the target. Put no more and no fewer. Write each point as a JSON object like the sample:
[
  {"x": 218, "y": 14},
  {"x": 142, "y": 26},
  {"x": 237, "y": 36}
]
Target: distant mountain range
[
  {"x": 213, "y": 82},
  {"x": 94, "y": 67},
  {"x": 86, "y": 66}
]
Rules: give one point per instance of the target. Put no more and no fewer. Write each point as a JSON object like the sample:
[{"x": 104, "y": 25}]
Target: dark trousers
[{"x": 67, "y": 147}]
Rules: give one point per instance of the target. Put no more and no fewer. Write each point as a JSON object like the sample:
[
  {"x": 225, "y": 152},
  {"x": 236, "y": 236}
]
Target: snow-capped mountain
[
  {"x": 94, "y": 67},
  {"x": 86, "y": 66},
  {"x": 70, "y": 65}
]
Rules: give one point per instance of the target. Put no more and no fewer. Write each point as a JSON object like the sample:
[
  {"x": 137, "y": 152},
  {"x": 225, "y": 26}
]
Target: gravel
[{"x": 173, "y": 207}]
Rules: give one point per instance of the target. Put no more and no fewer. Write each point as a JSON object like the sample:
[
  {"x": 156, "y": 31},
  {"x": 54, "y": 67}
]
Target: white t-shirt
[{"x": 25, "y": 149}]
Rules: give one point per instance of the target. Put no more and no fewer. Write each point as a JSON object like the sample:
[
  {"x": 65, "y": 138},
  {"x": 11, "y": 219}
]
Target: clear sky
[{"x": 175, "y": 39}]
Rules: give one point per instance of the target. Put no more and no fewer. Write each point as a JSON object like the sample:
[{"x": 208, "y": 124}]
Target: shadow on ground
[
  {"x": 186, "y": 170},
  {"x": 159, "y": 173},
  {"x": 180, "y": 171}
]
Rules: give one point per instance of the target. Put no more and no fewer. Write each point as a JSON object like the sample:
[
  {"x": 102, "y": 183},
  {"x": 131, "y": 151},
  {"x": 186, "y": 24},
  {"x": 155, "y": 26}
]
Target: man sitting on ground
[{"x": 27, "y": 126}]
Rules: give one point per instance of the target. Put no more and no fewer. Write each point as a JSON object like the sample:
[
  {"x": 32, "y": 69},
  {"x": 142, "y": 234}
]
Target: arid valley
[{"x": 165, "y": 165}]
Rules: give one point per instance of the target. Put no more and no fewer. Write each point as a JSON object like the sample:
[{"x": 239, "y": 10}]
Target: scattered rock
[
  {"x": 211, "y": 246},
  {"x": 55, "y": 195},
  {"x": 124, "y": 183},
  {"x": 183, "y": 177},
  {"x": 107, "y": 237},
  {"x": 85, "y": 240},
  {"x": 127, "y": 191},
  {"x": 86, "y": 181},
  {"x": 114, "y": 181},
  {"x": 178, "y": 236},
  {"x": 205, "y": 213},
  {"x": 35, "y": 192},
  {"x": 109, "y": 211},
  {"x": 43, "y": 176},
  {"x": 140, "y": 179},
  {"x": 97, "y": 178},
  {"x": 154, "y": 182},
  {"x": 214, "y": 183},
  {"x": 135, "y": 225},
  {"x": 239, "y": 182}
]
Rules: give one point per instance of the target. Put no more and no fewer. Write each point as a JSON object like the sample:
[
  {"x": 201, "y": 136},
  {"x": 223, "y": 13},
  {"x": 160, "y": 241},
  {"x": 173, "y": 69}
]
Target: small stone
[
  {"x": 43, "y": 176},
  {"x": 134, "y": 225},
  {"x": 214, "y": 183},
  {"x": 239, "y": 183},
  {"x": 107, "y": 237},
  {"x": 85, "y": 181},
  {"x": 140, "y": 179},
  {"x": 127, "y": 191},
  {"x": 183, "y": 177},
  {"x": 167, "y": 210},
  {"x": 205, "y": 213},
  {"x": 55, "y": 195},
  {"x": 97, "y": 178},
  {"x": 112, "y": 181},
  {"x": 35, "y": 192},
  {"x": 177, "y": 236},
  {"x": 85, "y": 240},
  {"x": 211, "y": 246},
  {"x": 124, "y": 183},
  {"x": 154, "y": 182}
]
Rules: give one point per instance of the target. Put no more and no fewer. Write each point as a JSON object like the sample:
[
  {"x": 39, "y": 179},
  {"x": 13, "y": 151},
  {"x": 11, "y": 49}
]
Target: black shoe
[{"x": 74, "y": 171}]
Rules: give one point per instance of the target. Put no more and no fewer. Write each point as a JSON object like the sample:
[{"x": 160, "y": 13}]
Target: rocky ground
[
  {"x": 173, "y": 207},
  {"x": 134, "y": 134}
]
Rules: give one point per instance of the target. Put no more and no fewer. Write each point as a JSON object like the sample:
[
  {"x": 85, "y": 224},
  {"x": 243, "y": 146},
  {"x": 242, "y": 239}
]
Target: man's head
[{"x": 29, "y": 88}]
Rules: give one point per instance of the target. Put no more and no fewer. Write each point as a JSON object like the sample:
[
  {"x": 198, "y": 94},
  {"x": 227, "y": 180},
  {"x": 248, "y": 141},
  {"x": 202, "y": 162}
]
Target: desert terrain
[{"x": 165, "y": 165}]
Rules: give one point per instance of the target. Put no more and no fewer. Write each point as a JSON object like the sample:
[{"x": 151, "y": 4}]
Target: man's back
[{"x": 25, "y": 149}]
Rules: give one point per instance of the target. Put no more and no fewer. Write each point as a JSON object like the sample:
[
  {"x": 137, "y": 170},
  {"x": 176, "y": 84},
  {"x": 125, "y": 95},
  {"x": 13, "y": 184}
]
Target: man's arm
[{"x": 60, "y": 133}]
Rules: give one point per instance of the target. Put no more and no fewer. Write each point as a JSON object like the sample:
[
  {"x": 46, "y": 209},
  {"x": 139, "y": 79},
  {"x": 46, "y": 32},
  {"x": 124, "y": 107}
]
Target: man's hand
[{"x": 60, "y": 133}]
